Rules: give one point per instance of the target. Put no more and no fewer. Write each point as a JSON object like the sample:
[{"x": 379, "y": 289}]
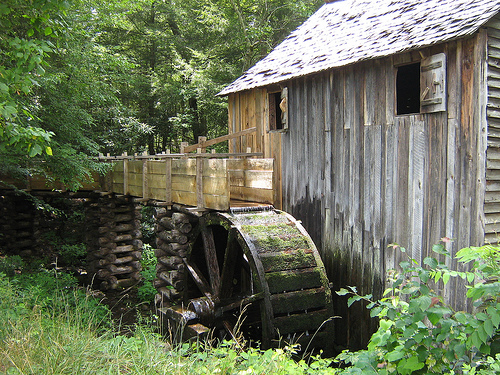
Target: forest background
[{"x": 82, "y": 77}]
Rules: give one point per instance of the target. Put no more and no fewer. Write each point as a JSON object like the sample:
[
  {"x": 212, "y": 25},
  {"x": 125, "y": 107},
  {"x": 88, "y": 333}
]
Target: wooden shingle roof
[{"x": 347, "y": 31}]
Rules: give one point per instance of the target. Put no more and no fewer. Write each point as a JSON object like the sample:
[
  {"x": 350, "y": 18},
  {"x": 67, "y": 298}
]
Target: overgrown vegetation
[
  {"x": 419, "y": 333},
  {"x": 50, "y": 326}
]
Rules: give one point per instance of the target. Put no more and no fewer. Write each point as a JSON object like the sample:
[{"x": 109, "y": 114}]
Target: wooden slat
[
  {"x": 300, "y": 300},
  {"x": 288, "y": 281},
  {"x": 223, "y": 138},
  {"x": 300, "y": 322},
  {"x": 252, "y": 195}
]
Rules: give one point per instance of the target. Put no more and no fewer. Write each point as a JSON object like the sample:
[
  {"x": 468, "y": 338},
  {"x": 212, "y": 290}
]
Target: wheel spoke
[
  {"x": 229, "y": 267},
  {"x": 210, "y": 256},
  {"x": 198, "y": 278}
]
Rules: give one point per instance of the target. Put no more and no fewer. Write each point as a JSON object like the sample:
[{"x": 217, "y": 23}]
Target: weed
[{"x": 146, "y": 292}]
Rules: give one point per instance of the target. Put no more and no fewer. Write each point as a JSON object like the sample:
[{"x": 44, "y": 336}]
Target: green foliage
[
  {"x": 27, "y": 27},
  {"x": 10, "y": 265},
  {"x": 147, "y": 291},
  {"x": 418, "y": 332}
]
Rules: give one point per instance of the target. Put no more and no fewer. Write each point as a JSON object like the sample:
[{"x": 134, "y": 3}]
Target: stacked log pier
[
  {"x": 17, "y": 220},
  {"x": 115, "y": 262},
  {"x": 173, "y": 230}
]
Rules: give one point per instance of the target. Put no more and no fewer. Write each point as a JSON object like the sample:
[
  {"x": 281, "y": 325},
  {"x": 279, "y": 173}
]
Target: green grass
[{"x": 50, "y": 326}]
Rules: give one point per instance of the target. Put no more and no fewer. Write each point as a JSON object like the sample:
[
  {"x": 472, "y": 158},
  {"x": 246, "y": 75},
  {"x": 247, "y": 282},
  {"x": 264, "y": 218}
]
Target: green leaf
[
  {"x": 437, "y": 276},
  {"x": 48, "y": 150},
  {"x": 343, "y": 292},
  {"x": 470, "y": 277},
  {"x": 446, "y": 278},
  {"x": 489, "y": 328},
  {"x": 431, "y": 262},
  {"x": 494, "y": 315},
  {"x": 440, "y": 249},
  {"x": 395, "y": 355},
  {"x": 47, "y": 31},
  {"x": 353, "y": 299}
]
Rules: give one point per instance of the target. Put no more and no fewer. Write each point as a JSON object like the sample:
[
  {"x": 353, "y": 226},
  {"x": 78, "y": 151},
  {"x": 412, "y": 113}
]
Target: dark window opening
[
  {"x": 275, "y": 113},
  {"x": 408, "y": 89}
]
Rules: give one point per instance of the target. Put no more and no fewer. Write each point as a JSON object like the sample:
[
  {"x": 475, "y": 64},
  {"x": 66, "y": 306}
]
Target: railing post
[
  {"x": 201, "y": 142},
  {"x": 168, "y": 179},
  {"x": 199, "y": 181},
  {"x": 125, "y": 173},
  {"x": 183, "y": 146},
  {"x": 145, "y": 185}
]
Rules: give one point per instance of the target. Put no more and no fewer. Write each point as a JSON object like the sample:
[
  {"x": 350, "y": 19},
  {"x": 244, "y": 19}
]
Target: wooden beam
[{"x": 214, "y": 141}]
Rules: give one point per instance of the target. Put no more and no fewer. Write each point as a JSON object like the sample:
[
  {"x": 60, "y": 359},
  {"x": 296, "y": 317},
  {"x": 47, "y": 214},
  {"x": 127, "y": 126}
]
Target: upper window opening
[
  {"x": 408, "y": 89},
  {"x": 278, "y": 108}
]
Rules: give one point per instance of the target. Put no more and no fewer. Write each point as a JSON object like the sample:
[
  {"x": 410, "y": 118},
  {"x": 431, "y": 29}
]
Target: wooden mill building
[{"x": 383, "y": 117}]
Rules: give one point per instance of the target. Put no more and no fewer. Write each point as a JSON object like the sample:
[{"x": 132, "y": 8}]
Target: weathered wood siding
[
  {"x": 360, "y": 177},
  {"x": 250, "y": 109},
  {"x": 492, "y": 198}
]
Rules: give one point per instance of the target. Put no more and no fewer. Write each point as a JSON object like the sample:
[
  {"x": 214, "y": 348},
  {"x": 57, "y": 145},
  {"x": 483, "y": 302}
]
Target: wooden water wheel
[{"x": 261, "y": 267}]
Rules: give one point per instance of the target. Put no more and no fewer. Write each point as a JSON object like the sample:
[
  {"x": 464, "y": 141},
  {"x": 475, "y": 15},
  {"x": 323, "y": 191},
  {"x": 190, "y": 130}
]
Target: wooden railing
[{"x": 203, "y": 180}]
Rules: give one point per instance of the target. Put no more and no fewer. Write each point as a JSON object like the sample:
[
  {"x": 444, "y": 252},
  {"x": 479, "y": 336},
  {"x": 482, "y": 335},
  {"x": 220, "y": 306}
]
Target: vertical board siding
[
  {"x": 360, "y": 178},
  {"x": 408, "y": 179},
  {"x": 492, "y": 195}
]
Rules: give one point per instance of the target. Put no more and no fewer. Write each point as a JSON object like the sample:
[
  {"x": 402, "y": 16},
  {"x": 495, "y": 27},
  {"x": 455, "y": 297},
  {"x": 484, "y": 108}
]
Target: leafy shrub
[
  {"x": 71, "y": 254},
  {"x": 418, "y": 332},
  {"x": 9, "y": 265}
]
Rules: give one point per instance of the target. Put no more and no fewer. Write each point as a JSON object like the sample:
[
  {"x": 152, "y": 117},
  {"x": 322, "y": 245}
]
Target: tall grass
[{"x": 66, "y": 332}]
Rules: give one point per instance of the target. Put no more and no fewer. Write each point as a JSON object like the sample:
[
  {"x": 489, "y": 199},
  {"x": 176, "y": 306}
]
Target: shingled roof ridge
[{"x": 364, "y": 30}]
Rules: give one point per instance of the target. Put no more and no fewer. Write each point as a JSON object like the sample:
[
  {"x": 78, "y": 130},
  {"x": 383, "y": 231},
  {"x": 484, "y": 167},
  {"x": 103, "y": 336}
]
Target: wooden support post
[
  {"x": 125, "y": 174},
  {"x": 201, "y": 142},
  {"x": 199, "y": 181},
  {"x": 168, "y": 179},
  {"x": 145, "y": 185},
  {"x": 183, "y": 146}
]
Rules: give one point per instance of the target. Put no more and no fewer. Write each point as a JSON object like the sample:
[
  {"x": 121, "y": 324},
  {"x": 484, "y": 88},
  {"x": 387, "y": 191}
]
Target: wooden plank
[
  {"x": 288, "y": 281},
  {"x": 216, "y": 202},
  {"x": 215, "y": 186},
  {"x": 300, "y": 322},
  {"x": 214, "y": 168},
  {"x": 223, "y": 138},
  {"x": 296, "y": 301},
  {"x": 135, "y": 166},
  {"x": 185, "y": 183},
  {"x": 252, "y": 195},
  {"x": 493, "y": 186},
  {"x": 491, "y": 208},
  {"x": 493, "y": 218},
  {"x": 492, "y": 197},
  {"x": 184, "y": 166}
]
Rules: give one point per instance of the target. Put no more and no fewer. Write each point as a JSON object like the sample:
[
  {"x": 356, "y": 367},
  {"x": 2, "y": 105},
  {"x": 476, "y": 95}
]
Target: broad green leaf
[
  {"x": 48, "y": 150},
  {"x": 488, "y": 327},
  {"x": 494, "y": 315}
]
